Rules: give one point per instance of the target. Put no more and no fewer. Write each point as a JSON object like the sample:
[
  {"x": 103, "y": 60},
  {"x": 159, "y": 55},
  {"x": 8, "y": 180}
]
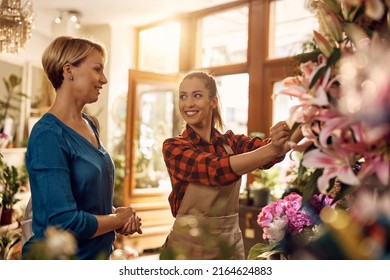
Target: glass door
[{"x": 152, "y": 117}]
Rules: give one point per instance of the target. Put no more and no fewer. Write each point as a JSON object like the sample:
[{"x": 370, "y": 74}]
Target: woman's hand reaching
[{"x": 279, "y": 136}]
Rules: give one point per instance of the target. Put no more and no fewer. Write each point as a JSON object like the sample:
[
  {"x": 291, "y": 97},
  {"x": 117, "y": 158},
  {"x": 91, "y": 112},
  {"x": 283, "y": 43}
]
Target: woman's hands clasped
[{"x": 131, "y": 222}]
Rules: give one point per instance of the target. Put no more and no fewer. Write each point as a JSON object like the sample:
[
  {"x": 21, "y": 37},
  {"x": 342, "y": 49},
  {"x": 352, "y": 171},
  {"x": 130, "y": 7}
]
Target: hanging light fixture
[
  {"x": 69, "y": 18},
  {"x": 15, "y": 25}
]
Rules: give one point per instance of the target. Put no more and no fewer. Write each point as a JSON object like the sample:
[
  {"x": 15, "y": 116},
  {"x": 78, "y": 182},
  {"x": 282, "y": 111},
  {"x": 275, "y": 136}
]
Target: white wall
[{"x": 122, "y": 58}]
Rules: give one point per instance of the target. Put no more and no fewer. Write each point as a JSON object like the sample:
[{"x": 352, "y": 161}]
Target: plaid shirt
[{"x": 190, "y": 159}]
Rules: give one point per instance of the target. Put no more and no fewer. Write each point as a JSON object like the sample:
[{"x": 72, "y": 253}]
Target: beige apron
[{"x": 206, "y": 225}]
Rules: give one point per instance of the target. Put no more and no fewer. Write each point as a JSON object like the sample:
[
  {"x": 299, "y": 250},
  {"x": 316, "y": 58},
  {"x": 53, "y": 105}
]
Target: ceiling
[{"x": 132, "y": 12}]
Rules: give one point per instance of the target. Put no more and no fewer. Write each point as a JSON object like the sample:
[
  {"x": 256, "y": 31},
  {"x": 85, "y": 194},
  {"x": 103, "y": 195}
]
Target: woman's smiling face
[
  {"x": 195, "y": 104},
  {"x": 89, "y": 78}
]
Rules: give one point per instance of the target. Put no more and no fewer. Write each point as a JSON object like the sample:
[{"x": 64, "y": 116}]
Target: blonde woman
[{"x": 71, "y": 174}]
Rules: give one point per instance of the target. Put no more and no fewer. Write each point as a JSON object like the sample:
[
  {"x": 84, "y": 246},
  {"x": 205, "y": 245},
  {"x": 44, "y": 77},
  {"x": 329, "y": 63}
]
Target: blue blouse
[{"x": 71, "y": 180}]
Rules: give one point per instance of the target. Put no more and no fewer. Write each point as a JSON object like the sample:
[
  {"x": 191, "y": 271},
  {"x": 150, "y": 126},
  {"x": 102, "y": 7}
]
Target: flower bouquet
[
  {"x": 288, "y": 225},
  {"x": 343, "y": 96},
  {"x": 342, "y": 89}
]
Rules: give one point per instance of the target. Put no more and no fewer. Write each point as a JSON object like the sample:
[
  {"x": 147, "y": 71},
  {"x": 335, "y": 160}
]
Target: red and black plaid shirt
[{"x": 190, "y": 159}]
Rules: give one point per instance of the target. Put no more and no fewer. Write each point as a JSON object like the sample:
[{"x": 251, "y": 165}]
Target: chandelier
[{"x": 15, "y": 25}]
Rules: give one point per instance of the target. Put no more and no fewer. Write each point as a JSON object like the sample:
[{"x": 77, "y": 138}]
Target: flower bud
[
  {"x": 323, "y": 44},
  {"x": 332, "y": 24}
]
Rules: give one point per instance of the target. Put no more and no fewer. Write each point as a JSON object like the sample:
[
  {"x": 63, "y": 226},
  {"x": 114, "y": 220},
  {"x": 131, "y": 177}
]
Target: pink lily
[
  {"x": 331, "y": 126},
  {"x": 378, "y": 166},
  {"x": 296, "y": 91},
  {"x": 300, "y": 147},
  {"x": 309, "y": 69},
  {"x": 335, "y": 164},
  {"x": 376, "y": 161}
]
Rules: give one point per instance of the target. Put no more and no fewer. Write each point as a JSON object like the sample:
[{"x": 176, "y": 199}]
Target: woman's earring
[{"x": 71, "y": 78}]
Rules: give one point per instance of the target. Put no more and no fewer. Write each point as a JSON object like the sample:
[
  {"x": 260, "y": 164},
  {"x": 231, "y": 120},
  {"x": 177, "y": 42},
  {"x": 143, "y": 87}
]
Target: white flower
[
  {"x": 61, "y": 244},
  {"x": 276, "y": 230}
]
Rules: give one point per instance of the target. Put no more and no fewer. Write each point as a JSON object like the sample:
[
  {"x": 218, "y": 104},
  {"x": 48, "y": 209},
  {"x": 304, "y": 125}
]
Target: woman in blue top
[{"x": 71, "y": 174}]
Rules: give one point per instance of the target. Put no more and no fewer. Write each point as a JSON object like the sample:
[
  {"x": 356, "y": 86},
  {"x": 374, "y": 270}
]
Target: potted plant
[
  {"x": 9, "y": 187},
  {"x": 264, "y": 181}
]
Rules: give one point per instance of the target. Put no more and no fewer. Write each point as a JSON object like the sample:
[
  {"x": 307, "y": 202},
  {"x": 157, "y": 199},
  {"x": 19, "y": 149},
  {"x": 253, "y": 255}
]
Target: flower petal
[
  {"x": 347, "y": 176},
  {"x": 323, "y": 180},
  {"x": 317, "y": 159}
]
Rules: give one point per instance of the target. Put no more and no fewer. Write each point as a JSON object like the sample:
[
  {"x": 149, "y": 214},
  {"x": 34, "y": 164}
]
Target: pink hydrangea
[{"x": 282, "y": 215}]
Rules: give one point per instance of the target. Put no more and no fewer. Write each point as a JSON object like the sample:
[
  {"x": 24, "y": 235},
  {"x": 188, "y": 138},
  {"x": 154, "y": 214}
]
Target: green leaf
[
  {"x": 311, "y": 185},
  {"x": 301, "y": 170},
  {"x": 334, "y": 57},
  {"x": 261, "y": 251},
  {"x": 309, "y": 56},
  {"x": 318, "y": 75}
]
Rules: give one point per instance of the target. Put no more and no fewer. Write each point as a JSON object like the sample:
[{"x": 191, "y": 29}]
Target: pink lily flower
[
  {"x": 332, "y": 126},
  {"x": 378, "y": 166},
  {"x": 335, "y": 164},
  {"x": 300, "y": 147},
  {"x": 377, "y": 159}
]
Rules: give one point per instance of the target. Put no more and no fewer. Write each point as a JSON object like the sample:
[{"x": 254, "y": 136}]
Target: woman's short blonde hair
[{"x": 65, "y": 49}]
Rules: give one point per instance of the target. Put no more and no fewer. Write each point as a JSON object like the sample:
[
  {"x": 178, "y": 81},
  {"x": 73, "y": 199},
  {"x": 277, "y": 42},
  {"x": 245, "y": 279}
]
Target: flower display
[
  {"x": 343, "y": 111},
  {"x": 275, "y": 217},
  {"x": 286, "y": 223},
  {"x": 343, "y": 92}
]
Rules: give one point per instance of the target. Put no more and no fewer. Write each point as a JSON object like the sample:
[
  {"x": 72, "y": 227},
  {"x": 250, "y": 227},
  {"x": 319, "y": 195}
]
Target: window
[
  {"x": 281, "y": 104},
  {"x": 288, "y": 16},
  {"x": 223, "y": 38},
  {"x": 159, "y": 48},
  {"x": 233, "y": 94},
  {"x": 155, "y": 123}
]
